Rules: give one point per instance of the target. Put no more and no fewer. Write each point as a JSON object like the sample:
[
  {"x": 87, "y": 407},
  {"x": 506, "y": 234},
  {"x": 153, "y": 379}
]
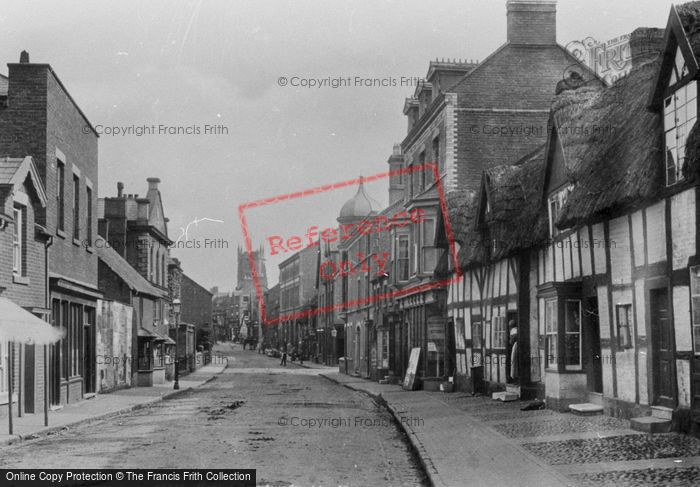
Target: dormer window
[
  {"x": 556, "y": 203},
  {"x": 680, "y": 114}
]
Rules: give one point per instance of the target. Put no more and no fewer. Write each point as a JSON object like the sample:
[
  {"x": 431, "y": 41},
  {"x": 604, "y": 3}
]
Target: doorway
[
  {"x": 663, "y": 349},
  {"x": 89, "y": 358},
  {"x": 591, "y": 340},
  {"x": 29, "y": 377}
]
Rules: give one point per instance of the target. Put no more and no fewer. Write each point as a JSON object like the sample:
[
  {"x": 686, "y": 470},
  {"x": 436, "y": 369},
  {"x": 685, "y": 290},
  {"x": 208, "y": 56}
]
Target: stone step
[
  {"x": 504, "y": 396},
  {"x": 662, "y": 412},
  {"x": 650, "y": 424},
  {"x": 586, "y": 409},
  {"x": 595, "y": 398}
]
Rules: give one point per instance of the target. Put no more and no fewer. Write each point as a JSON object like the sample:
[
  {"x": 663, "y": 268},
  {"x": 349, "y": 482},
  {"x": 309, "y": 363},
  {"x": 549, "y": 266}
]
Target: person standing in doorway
[{"x": 513, "y": 340}]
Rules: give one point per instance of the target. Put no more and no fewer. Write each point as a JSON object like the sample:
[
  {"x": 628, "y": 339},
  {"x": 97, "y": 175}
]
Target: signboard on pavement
[{"x": 409, "y": 380}]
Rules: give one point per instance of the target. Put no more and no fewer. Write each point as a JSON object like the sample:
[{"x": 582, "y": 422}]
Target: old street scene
[{"x": 350, "y": 244}]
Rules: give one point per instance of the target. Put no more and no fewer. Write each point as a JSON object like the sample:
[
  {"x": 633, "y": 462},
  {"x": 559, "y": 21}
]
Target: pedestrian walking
[{"x": 284, "y": 357}]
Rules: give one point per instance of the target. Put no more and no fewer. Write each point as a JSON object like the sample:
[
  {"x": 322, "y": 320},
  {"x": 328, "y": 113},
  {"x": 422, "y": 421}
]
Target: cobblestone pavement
[
  {"x": 294, "y": 427},
  {"x": 648, "y": 476},
  {"x": 591, "y": 450}
]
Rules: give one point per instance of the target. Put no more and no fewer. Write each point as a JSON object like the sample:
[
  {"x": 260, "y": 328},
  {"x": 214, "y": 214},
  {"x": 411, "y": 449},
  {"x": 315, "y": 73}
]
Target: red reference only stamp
[{"x": 369, "y": 262}]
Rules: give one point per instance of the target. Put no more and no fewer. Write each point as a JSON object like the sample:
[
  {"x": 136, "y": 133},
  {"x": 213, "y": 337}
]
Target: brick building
[
  {"x": 39, "y": 118},
  {"x": 465, "y": 118},
  {"x": 182, "y": 332},
  {"x": 136, "y": 229},
  {"x": 297, "y": 280},
  {"x": 225, "y": 312},
  {"x": 24, "y": 247},
  {"x": 196, "y": 304}
]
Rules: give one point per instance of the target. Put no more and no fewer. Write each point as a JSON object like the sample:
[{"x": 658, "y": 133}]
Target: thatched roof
[
  {"x": 516, "y": 217},
  {"x": 689, "y": 14},
  {"x": 612, "y": 144},
  {"x": 515, "y": 220},
  {"x": 618, "y": 163}
]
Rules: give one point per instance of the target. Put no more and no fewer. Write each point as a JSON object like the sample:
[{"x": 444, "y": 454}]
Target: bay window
[
  {"x": 695, "y": 306},
  {"x": 550, "y": 329},
  {"x": 562, "y": 326},
  {"x": 428, "y": 250},
  {"x": 402, "y": 260}
]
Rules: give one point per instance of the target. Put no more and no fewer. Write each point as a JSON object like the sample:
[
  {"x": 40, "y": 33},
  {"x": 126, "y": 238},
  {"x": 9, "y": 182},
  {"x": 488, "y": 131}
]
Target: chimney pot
[
  {"x": 24, "y": 57},
  {"x": 153, "y": 183},
  {"x": 120, "y": 189}
]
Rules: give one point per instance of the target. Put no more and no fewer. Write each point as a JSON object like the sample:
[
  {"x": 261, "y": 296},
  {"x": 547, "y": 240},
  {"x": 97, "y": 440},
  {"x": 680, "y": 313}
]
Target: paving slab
[{"x": 455, "y": 448}]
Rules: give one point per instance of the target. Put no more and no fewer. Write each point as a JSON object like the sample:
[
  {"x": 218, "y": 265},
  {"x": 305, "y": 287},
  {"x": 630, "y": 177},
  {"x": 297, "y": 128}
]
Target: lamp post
[{"x": 176, "y": 311}]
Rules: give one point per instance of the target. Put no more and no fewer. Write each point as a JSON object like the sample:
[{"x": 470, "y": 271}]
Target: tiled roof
[
  {"x": 8, "y": 168},
  {"x": 128, "y": 274}
]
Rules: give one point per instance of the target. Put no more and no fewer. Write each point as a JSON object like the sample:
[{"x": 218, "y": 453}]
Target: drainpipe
[{"x": 47, "y": 304}]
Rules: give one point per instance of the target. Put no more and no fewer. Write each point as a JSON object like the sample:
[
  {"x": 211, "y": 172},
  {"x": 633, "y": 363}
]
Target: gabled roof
[
  {"x": 500, "y": 80},
  {"x": 14, "y": 171},
  {"x": 130, "y": 276},
  {"x": 682, "y": 32},
  {"x": 516, "y": 219}
]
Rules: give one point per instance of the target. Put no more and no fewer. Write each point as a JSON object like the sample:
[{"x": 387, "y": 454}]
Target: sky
[{"x": 212, "y": 71}]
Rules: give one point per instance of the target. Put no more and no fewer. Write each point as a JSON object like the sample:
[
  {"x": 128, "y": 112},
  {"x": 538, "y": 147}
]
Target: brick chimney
[{"x": 532, "y": 22}]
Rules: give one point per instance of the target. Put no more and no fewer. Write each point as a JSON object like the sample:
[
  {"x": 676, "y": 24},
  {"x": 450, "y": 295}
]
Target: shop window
[
  {"x": 75, "y": 339},
  {"x": 624, "y": 325},
  {"x": 385, "y": 349}
]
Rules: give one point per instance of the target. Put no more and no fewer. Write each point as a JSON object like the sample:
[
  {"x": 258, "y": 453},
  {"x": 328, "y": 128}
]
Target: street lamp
[{"x": 176, "y": 311}]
